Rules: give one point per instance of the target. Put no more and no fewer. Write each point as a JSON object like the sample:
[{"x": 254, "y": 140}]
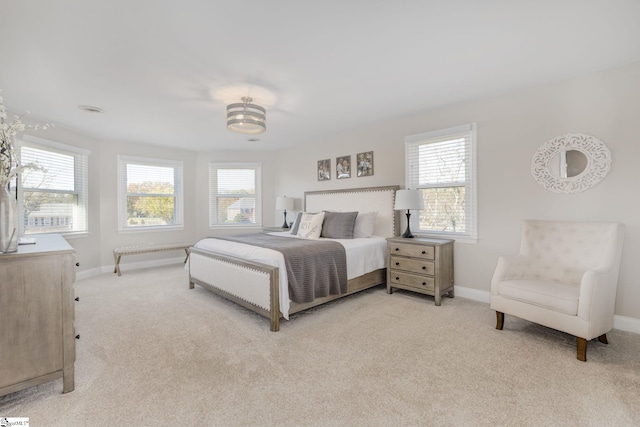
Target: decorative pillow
[
  {"x": 311, "y": 226},
  {"x": 338, "y": 225},
  {"x": 365, "y": 223},
  {"x": 296, "y": 224}
]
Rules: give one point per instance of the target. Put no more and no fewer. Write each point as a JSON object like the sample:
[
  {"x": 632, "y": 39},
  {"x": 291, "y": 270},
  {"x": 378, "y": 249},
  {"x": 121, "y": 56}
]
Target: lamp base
[
  {"x": 407, "y": 234},
  {"x": 285, "y": 225}
]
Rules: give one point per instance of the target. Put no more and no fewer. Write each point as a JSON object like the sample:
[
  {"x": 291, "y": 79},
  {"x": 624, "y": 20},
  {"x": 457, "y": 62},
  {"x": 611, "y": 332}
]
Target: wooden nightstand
[{"x": 420, "y": 265}]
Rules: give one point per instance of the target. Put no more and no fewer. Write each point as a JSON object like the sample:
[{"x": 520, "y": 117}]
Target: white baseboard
[
  {"x": 474, "y": 294},
  {"x": 628, "y": 324},
  {"x": 128, "y": 267},
  {"x": 622, "y": 323}
]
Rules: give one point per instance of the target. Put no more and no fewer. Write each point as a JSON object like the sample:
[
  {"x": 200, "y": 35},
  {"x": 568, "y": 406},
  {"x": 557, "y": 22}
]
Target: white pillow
[
  {"x": 311, "y": 226},
  {"x": 365, "y": 223}
]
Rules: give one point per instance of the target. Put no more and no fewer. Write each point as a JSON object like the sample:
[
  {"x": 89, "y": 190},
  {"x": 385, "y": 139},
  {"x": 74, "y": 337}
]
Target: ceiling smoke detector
[{"x": 90, "y": 109}]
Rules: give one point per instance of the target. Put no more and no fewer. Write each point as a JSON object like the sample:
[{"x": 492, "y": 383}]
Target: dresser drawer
[
  {"x": 413, "y": 265},
  {"x": 417, "y": 251},
  {"x": 424, "y": 283}
]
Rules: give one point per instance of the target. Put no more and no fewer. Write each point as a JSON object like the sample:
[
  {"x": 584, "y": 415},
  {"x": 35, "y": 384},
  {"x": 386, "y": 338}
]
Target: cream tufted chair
[{"x": 565, "y": 277}]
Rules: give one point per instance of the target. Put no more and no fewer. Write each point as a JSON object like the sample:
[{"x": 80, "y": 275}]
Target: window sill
[
  {"x": 235, "y": 226},
  {"x": 457, "y": 239},
  {"x": 149, "y": 229}
]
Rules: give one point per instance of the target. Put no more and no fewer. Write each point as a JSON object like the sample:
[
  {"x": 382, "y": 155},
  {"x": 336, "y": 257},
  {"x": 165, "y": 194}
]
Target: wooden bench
[{"x": 144, "y": 249}]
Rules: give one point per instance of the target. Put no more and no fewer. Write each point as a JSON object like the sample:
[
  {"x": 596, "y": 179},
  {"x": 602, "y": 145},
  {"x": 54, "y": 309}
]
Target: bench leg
[
  {"x": 117, "y": 267},
  {"x": 186, "y": 251}
]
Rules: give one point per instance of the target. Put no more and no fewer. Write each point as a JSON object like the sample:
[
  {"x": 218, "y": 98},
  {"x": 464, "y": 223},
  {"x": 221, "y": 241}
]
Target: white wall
[
  {"x": 202, "y": 189},
  {"x": 107, "y": 204},
  {"x": 511, "y": 127},
  {"x": 95, "y": 249}
]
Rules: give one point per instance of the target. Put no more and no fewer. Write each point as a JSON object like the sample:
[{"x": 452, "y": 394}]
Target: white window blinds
[
  {"x": 54, "y": 193},
  {"x": 235, "y": 194},
  {"x": 150, "y": 193},
  {"x": 442, "y": 165}
]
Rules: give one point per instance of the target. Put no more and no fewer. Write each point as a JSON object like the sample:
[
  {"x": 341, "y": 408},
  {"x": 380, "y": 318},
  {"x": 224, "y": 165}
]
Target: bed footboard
[
  {"x": 250, "y": 284},
  {"x": 256, "y": 286}
]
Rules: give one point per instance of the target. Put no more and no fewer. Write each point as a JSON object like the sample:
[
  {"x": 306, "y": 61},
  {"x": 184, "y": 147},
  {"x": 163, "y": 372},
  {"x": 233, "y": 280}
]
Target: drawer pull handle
[
  {"x": 397, "y": 249},
  {"x": 397, "y": 278},
  {"x": 397, "y": 263},
  {"x": 424, "y": 267},
  {"x": 77, "y": 264},
  {"x": 424, "y": 252},
  {"x": 78, "y": 336},
  {"x": 77, "y": 298},
  {"x": 424, "y": 283}
]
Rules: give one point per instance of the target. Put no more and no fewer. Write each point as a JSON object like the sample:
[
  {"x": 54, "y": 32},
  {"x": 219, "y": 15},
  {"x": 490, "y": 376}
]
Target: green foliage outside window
[{"x": 150, "y": 203}]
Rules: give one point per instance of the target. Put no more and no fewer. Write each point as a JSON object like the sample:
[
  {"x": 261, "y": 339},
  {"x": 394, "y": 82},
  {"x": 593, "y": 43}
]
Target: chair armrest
[
  {"x": 598, "y": 296},
  {"x": 509, "y": 267}
]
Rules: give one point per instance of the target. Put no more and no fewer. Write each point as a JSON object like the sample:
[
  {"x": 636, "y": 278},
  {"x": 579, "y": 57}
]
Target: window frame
[
  {"x": 81, "y": 184},
  {"x": 469, "y": 131},
  {"x": 213, "y": 194},
  {"x": 123, "y": 194}
]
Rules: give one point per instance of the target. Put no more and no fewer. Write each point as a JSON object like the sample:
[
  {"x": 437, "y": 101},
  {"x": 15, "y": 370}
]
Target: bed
[{"x": 256, "y": 278}]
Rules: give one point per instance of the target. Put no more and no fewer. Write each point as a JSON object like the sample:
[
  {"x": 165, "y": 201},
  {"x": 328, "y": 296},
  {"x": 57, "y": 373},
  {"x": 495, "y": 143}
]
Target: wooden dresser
[
  {"x": 37, "y": 337},
  {"x": 420, "y": 265}
]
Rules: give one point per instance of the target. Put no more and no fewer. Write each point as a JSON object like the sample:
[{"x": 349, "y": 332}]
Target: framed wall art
[
  {"x": 343, "y": 167},
  {"x": 365, "y": 163},
  {"x": 324, "y": 170}
]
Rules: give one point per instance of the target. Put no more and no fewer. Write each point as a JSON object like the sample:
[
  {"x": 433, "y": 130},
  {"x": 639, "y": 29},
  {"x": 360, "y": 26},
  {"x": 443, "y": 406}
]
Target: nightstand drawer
[
  {"x": 418, "y": 251},
  {"x": 419, "y": 282},
  {"x": 413, "y": 265}
]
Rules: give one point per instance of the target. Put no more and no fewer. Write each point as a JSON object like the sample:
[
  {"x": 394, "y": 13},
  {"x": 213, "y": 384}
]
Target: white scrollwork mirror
[{"x": 571, "y": 163}]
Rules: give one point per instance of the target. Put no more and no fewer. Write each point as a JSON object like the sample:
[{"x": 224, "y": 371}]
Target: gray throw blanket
[{"x": 315, "y": 268}]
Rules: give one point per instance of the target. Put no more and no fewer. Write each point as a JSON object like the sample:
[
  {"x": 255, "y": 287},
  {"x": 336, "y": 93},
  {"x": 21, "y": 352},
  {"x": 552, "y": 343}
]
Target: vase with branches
[{"x": 10, "y": 167}]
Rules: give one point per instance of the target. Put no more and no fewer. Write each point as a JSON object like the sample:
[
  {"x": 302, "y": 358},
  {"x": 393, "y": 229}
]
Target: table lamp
[
  {"x": 284, "y": 202},
  {"x": 408, "y": 199}
]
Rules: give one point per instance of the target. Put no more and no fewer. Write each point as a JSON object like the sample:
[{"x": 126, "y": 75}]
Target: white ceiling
[{"x": 164, "y": 70}]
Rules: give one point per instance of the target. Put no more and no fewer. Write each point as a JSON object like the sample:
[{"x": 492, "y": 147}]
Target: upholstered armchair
[{"x": 565, "y": 277}]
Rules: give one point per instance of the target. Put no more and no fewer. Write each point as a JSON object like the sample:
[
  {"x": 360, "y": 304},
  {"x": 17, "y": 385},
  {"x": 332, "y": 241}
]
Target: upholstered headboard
[{"x": 379, "y": 199}]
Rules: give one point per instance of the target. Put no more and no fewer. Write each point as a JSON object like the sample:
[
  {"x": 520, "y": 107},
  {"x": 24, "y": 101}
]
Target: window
[
  {"x": 442, "y": 164},
  {"x": 149, "y": 194},
  {"x": 53, "y": 197},
  {"x": 234, "y": 194}
]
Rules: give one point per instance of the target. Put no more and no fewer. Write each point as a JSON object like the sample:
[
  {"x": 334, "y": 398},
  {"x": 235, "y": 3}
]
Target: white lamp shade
[
  {"x": 284, "y": 202},
  {"x": 409, "y": 199}
]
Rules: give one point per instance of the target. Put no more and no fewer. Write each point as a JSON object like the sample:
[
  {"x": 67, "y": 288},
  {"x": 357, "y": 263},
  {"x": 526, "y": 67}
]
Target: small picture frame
[
  {"x": 343, "y": 167},
  {"x": 365, "y": 163},
  {"x": 324, "y": 170}
]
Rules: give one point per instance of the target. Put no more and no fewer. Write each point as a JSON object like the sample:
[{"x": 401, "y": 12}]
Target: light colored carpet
[{"x": 152, "y": 352}]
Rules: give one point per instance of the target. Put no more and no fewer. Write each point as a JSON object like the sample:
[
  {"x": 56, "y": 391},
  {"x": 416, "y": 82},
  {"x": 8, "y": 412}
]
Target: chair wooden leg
[
  {"x": 581, "y": 345},
  {"x": 603, "y": 339},
  {"x": 500, "y": 320}
]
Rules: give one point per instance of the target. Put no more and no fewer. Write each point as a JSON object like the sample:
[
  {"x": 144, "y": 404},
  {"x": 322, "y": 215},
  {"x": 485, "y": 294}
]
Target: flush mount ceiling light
[{"x": 245, "y": 117}]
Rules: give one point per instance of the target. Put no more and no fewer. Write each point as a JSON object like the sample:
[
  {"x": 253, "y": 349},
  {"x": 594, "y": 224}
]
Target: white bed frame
[{"x": 256, "y": 286}]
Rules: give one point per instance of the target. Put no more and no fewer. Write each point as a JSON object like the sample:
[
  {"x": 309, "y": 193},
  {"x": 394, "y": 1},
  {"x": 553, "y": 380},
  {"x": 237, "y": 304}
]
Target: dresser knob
[
  {"x": 397, "y": 263},
  {"x": 397, "y": 278},
  {"x": 424, "y": 283},
  {"x": 397, "y": 249},
  {"x": 78, "y": 336},
  {"x": 77, "y": 298},
  {"x": 77, "y": 264},
  {"x": 424, "y": 268},
  {"x": 424, "y": 252}
]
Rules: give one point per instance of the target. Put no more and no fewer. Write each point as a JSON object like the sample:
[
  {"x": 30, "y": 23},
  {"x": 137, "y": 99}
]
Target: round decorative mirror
[{"x": 571, "y": 163}]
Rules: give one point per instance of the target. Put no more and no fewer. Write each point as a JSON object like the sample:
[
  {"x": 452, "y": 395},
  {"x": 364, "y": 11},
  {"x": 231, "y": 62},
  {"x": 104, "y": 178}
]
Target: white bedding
[{"x": 363, "y": 255}]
